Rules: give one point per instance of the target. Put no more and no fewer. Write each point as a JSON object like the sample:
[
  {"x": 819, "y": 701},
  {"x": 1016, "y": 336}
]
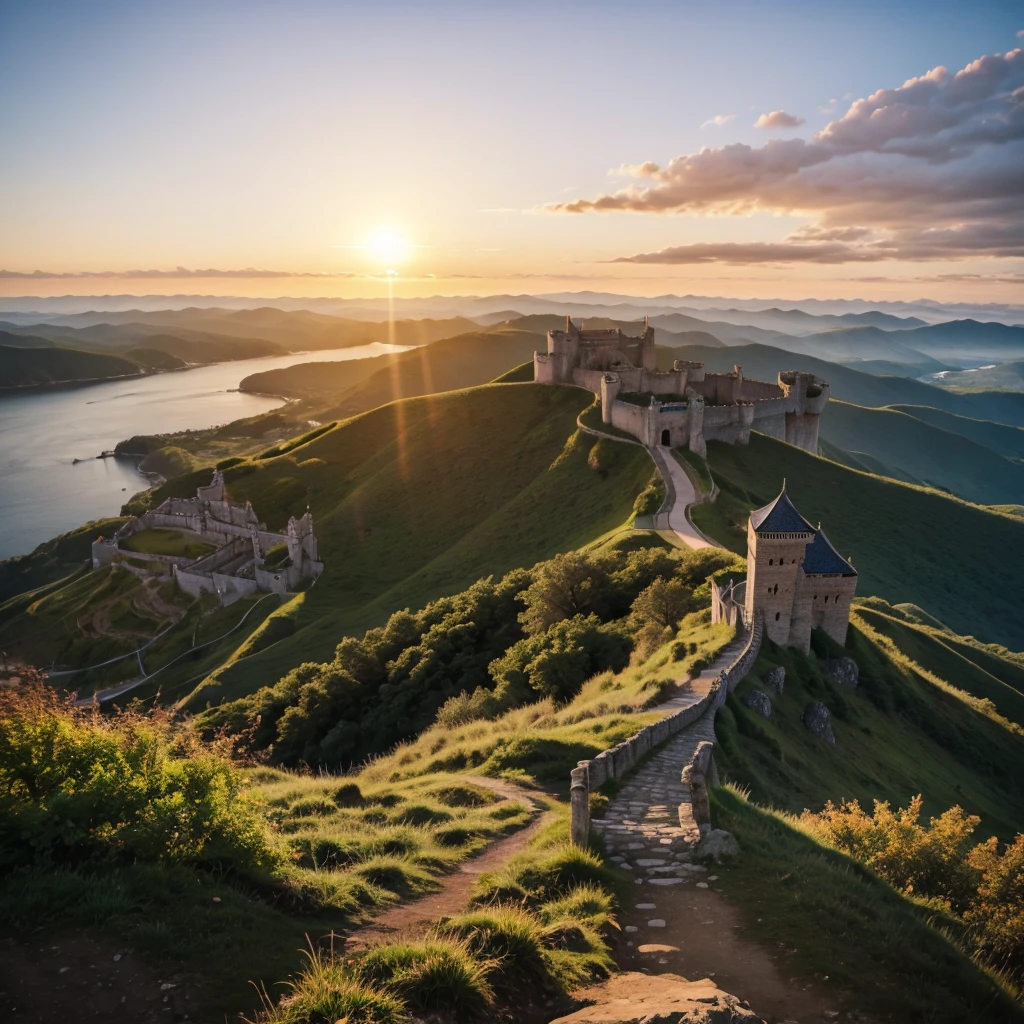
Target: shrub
[
  {"x": 536, "y": 881},
  {"x": 77, "y": 786},
  {"x": 509, "y": 937},
  {"x": 438, "y": 975},
  {"x": 348, "y": 795},
  {"x": 396, "y": 874},
  {"x": 326, "y": 992},
  {"x": 465, "y": 796}
]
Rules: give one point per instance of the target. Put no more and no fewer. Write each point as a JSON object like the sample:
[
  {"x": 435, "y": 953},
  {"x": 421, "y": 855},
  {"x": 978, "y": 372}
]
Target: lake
[{"x": 42, "y": 493}]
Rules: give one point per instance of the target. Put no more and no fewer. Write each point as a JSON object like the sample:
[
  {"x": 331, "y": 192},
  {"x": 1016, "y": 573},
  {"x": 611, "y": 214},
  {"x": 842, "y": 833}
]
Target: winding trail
[
  {"x": 681, "y": 494},
  {"x": 411, "y": 918}
]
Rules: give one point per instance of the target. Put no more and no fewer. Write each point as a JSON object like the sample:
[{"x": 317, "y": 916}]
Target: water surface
[{"x": 42, "y": 493}]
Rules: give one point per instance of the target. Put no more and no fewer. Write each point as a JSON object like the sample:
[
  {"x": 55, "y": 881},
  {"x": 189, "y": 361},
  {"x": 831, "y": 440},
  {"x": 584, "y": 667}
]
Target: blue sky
[{"x": 290, "y": 136}]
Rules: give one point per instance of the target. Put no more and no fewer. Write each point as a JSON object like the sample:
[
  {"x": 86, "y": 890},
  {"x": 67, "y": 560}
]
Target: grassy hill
[
  {"x": 31, "y": 367},
  {"x": 914, "y": 449},
  {"x": 345, "y": 388},
  {"x": 412, "y": 500},
  {"x": 1005, "y": 440},
  {"x": 764, "y": 362},
  {"x": 960, "y": 562}
]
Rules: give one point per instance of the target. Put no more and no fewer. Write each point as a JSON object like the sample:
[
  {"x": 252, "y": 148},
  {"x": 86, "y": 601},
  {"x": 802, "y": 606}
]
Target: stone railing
[{"x": 614, "y": 763}]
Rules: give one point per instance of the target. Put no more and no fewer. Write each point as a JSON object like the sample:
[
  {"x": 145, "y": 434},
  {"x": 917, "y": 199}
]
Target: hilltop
[{"x": 35, "y": 366}]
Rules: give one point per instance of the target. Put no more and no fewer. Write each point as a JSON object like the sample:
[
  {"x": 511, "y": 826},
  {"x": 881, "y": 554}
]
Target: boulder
[
  {"x": 818, "y": 721},
  {"x": 759, "y": 702},
  {"x": 774, "y": 679},
  {"x": 716, "y": 845},
  {"x": 842, "y": 671},
  {"x": 635, "y": 998}
]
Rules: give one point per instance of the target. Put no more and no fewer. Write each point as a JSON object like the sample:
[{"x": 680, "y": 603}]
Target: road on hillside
[{"x": 675, "y": 519}]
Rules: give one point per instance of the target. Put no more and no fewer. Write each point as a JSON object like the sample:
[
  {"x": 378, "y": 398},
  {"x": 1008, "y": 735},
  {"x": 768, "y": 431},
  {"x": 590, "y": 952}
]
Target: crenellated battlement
[{"x": 688, "y": 406}]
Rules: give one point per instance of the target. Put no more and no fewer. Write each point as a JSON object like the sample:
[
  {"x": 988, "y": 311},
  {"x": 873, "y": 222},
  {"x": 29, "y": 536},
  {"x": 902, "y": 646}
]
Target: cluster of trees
[
  {"x": 535, "y": 632},
  {"x": 980, "y": 884}
]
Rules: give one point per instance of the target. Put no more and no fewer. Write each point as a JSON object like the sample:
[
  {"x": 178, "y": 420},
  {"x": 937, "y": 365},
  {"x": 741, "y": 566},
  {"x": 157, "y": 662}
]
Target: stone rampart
[{"x": 617, "y": 761}]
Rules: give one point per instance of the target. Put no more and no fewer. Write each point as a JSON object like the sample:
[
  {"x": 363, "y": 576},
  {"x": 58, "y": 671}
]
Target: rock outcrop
[
  {"x": 634, "y": 998},
  {"x": 759, "y": 702},
  {"x": 818, "y": 721},
  {"x": 842, "y": 671},
  {"x": 716, "y": 845},
  {"x": 775, "y": 679}
]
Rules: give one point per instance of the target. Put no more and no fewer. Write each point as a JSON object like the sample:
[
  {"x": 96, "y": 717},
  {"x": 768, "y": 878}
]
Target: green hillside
[
  {"x": 762, "y": 362},
  {"x": 1005, "y": 440},
  {"x": 29, "y": 367},
  {"x": 412, "y": 500},
  {"x": 960, "y": 562},
  {"x": 906, "y": 728},
  {"x": 345, "y": 388},
  {"x": 913, "y": 449}
]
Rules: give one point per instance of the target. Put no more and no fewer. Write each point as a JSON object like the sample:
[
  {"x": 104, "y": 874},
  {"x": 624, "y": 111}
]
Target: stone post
[{"x": 579, "y": 801}]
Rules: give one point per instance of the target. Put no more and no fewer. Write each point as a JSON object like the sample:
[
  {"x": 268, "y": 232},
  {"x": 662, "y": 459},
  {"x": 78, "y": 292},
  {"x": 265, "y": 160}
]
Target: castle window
[
  {"x": 776, "y": 590},
  {"x": 826, "y": 599},
  {"x": 777, "y": 614},
  {"x": 771, "y": 561},
  {"x": 815, "y": 597},
  {"x": 781, "y": 560}
]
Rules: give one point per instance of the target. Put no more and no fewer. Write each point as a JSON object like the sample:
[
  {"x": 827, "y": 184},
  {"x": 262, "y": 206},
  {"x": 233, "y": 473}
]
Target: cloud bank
[
  {"x": 933, "y": 169},
  {"x": 177, "y": 272}
]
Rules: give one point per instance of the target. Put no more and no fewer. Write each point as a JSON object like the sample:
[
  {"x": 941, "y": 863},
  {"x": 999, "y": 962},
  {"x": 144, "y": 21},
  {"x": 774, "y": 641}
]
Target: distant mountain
[
  {"x": 852, "y": 345},
  {"x": 32, "y": 367},
  {"x": 16, "y": 339},
  {"x": 1005, "y": 440},
  {"x": 968, "y": 342}
]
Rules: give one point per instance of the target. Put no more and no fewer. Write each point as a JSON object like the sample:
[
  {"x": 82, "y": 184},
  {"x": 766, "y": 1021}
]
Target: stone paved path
[{"x": 647, "y": 828}]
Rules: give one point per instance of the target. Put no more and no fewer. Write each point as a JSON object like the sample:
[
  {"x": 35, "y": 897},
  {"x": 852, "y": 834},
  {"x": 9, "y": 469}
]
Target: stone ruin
[{"x": 237, "y": 567}]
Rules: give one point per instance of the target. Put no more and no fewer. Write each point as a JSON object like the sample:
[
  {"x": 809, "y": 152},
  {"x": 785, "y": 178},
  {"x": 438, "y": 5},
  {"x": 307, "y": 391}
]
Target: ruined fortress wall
[
  {"x": 677, "y": 423},
  {"x": 759, "y": 390},
  {"x": 729, "y": 423},
  {"x": 231, "y": 588},
  {"x": 630, "y": 418},
  {"x": 802, "y": 430}
]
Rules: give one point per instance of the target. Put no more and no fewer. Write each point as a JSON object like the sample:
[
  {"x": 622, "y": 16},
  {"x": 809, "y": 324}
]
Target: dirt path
[
  {"x": 675, "y": 921},
  {"x": 411, "y": 919}
]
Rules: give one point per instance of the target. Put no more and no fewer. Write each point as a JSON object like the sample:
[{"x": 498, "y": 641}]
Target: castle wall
[
  {"x": 544, "y": 368},
  {"x": 802, "y": 431},
  {"x": 759, "y": 390},
  {"x": 630, "y": 418},
  {"x": 729, "y": 423}
]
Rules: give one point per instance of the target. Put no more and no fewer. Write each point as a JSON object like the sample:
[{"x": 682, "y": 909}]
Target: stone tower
[
  {"x": 795, "y": 577},
  {"x": 777, "y": 537}
]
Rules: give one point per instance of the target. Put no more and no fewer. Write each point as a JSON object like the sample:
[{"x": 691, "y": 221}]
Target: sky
[{"x": 828, "y": 149}]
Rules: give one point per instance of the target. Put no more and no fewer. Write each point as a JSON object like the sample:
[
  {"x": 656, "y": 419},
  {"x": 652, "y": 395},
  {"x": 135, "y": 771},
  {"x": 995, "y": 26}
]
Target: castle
[
  {"x": 684, "y": 406},
  {"x": 795, "y": 579},
  {"x": 239, "y": 564}
]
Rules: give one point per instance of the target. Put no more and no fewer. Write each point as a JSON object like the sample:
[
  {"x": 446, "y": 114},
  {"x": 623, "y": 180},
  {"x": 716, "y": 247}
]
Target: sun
[{"x": 390, "y": 247}]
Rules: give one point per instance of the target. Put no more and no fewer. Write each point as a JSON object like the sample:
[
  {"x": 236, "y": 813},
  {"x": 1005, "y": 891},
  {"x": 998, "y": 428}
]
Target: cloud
[
  {"x": 739, "y": 253},
  {"x": 718, "y": 119},
  {"x": 928, "y": 170},
  {"x": 778, "y": 119},
  {"x": 177, "y": 272}
]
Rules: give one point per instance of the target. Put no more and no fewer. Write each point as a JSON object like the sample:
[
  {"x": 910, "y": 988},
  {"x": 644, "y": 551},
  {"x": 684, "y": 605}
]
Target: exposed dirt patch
[
  {"x": 88, "y": 980},
  {"x": 412, "y": 919},
  {"x": 701, "y": 939}
]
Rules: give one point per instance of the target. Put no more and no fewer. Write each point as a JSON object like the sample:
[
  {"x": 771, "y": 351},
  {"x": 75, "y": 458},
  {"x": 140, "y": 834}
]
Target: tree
[
  {"x": 570, "y": 584},
  {"x": 662, "y": 604}
]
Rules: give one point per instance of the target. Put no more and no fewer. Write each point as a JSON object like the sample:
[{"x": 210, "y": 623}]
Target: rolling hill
[
  {"x": 914, "y": 449},
  {"x": 1002, "y": 376},
  {"x": 343, "y": 389},
  {"x": 32, "y": 367},
  {"x": 959, "y": 561}
]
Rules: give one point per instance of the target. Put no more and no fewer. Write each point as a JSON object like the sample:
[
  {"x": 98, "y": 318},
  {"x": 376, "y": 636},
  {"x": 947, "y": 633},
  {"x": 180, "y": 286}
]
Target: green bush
[{"x": 76, "y": 786}]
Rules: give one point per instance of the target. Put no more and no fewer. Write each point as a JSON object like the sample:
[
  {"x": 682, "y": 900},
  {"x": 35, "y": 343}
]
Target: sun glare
[{"x": 390, "y": 247}]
